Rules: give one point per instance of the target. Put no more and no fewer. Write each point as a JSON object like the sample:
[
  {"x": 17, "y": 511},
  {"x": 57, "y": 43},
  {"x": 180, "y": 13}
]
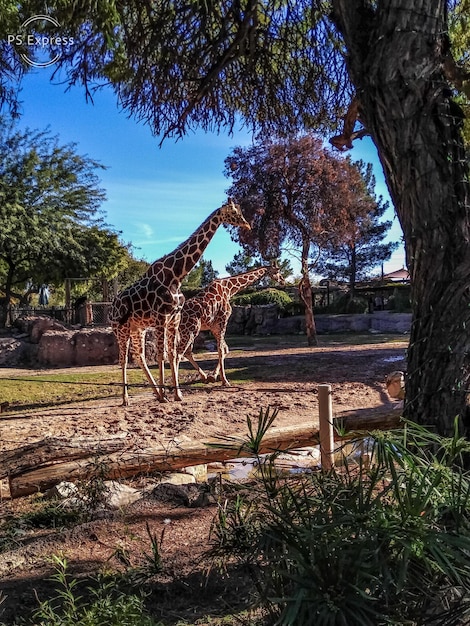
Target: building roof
[{"x": 398, "y": 276}]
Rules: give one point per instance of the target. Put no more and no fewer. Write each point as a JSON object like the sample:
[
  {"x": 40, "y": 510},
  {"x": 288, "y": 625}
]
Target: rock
[
  {"x": 95, "y": 346},
  {"x": 178, "y": 478},
  {"x": 62, "y": 490},
  {"x": 198, "y": 471},
  {"x": 395, "y": 383},
  {"x": 115, "y": 495},
  {"x": 190, "y": 495},
  {"x": 12, "y": 351},
  {"x": 78, "y": 347},
  {"x": 119, "y": 495}
]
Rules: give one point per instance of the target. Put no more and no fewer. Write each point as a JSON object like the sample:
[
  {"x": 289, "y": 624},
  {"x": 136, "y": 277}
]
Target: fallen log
[
  {"x": 55, "y": 449},
  {"x": 176, "y": 455}
]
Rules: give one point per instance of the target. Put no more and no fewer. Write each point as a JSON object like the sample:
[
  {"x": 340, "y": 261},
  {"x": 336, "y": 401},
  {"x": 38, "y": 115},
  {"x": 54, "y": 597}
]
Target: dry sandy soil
[{"x": 287, "y": 380}]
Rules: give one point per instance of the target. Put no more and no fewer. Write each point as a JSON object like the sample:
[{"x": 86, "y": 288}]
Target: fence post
[{"x": 325, "y": 414}]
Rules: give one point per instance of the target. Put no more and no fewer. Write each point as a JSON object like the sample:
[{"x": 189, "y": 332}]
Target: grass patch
[
  {"x": 300, "y": 341},
  {"x": 30, "y": 390}
]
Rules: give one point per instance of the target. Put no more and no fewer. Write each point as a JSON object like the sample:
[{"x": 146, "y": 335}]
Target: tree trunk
[
  {"x": 5, "y": 302},
  {"x": 305, "y": 292},
  {"x": 396, "y": 57},
  {"x": 352, "y": 275}
]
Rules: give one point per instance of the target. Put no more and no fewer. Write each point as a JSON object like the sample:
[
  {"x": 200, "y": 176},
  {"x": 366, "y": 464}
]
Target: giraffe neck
[
  {"x": 234, "y": 284},
  {"x": 182, "y": 260}
]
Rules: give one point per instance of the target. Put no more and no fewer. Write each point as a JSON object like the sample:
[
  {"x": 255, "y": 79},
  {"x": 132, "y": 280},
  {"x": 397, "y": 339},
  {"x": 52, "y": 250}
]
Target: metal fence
[{"x": 87, "y": 314}]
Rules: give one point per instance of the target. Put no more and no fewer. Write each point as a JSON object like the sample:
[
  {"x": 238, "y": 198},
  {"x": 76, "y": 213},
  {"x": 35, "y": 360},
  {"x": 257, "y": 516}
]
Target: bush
[
  {"x": 400, "y": 300},
  {"x": 384, "y": 544},
  {"x": 107, "y": 607},
  {"x": 345, "y": 304},
  {"x": 264, "y": 296}
]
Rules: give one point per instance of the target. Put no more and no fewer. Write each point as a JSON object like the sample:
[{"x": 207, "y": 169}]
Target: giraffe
[
  {"x": 155, "y": 301},
  {"x": 211, "y": 310}
]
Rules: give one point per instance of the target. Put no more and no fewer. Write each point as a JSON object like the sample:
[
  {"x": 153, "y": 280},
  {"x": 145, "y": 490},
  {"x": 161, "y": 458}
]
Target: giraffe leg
[
  {"x": 123, "y": 340},
  {"x": 138, "y": 345},
  {"x": 161, "y": 379},
  {"x": 161, "y": 358},
  {"x": 188, "y": 331},
  {"x": 172, "y": 337},
  {"x": 123, "y": 358},
  {"x": 190, "y": 356},
  {"x": 222, "y": 349}
]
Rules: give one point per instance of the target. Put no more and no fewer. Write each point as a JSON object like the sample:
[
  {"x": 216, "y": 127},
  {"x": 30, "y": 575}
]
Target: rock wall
[
  {"x": 265, "y": 320},
  {"x": 46, "y": 342},
  {"x": 88, "y": 346}
]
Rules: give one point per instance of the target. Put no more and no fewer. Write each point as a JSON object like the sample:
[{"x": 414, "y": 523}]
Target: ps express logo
[{"x": 42, "y": 50}]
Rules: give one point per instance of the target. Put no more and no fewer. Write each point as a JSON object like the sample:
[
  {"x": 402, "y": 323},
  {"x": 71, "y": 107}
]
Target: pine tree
[{"x": 353, "y": 258}]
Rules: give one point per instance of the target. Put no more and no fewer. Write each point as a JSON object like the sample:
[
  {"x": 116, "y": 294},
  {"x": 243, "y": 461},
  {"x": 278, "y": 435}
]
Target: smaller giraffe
[{"x": 211, "y": 310}]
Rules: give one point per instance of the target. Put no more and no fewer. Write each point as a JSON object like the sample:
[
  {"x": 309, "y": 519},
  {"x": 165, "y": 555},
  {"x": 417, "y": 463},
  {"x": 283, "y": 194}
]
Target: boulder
[
  {"x": 57, "y": 348},
  {"x": 78, "y": 347},
  {"x": 95, "y": 346}
]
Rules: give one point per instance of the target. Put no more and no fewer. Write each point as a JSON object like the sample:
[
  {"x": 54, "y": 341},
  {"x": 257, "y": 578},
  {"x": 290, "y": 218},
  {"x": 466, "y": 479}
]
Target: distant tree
[
  {"x": 362, "y": 248},
  {"x": 52, "y": 227},
  {"x": 209, "y": 274},
  {"x": 133, "y": 268},
  {"x": 294, "y": 192},
  {"x": 244, "y": 262},
  {"x": 200, "y": 276}
]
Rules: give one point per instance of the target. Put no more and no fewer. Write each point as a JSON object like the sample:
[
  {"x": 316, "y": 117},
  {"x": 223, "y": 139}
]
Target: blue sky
[{"x": 156, "y": 197}]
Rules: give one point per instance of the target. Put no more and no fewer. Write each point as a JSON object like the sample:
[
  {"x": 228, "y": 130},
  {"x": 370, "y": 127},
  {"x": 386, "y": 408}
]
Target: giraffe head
[
  {"x": 275, "y": 273},
  {"x": 230, "y": 213}
]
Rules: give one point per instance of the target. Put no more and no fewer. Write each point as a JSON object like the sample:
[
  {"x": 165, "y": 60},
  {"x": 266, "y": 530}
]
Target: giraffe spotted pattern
[
  {"x": 211, "y": 310},
  {"x": 156, "y": 301}
]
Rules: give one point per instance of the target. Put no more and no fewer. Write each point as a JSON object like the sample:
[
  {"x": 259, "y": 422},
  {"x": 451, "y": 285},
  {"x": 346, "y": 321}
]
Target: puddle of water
[
  {"x": 393, "y": 359},
  {"x": 300, "y": 461}
]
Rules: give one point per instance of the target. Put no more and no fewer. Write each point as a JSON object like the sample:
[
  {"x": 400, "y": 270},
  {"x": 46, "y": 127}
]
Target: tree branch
[{"x": 344, "y": 141}]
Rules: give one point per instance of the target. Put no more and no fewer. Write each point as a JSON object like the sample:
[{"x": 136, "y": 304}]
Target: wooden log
[
  {"x": 177, "y": 455},
  {"x": 53, "y": 450}
]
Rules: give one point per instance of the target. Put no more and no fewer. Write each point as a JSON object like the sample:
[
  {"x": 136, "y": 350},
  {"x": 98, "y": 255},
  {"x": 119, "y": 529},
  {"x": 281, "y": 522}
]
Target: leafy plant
[
  {"x": 52, "y": 515},
  {"x": 380, "y": 543},
  {"x": 107, "y": 606},
  {"x": 93, "y": 491},
  {"x": 153, "y": 563},
  {"x": 264, "y": 296}
]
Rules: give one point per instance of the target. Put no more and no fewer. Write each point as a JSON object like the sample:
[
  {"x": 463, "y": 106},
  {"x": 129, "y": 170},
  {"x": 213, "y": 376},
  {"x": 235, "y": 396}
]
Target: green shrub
[
  {"x": 346, "y": 304},
  {"x": 400, "y": 300},
  {"x": 107, "y": 606},
  {"x": 264, "y": 296},
  {"x": 378, "y": 545}
]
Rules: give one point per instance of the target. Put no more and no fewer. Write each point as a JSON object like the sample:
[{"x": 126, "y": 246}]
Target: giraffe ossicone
[{"x": 156, "y": 301}]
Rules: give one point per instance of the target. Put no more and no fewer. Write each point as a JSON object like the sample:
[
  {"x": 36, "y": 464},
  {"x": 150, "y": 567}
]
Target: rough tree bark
[{"x": 396, "y": 63}]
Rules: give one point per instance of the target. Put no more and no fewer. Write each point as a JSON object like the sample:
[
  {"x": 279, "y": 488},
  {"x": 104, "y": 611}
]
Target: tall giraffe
[
  {"x": 155, "y": 301},
  {"x": 211, "y": 310}
]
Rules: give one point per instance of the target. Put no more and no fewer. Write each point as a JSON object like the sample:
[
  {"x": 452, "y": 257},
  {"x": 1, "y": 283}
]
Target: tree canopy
[
  {"x": 362, "y": 249},
  {"x": 295, "y": 192},
  {"x": 200, "y": 276},
  {"x": 52, "y": 226},
  {"x": 244, "y": 262}
]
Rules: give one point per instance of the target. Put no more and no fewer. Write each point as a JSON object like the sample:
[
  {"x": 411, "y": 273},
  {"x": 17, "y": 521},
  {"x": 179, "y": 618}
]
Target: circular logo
[{"x": 40, "y": 46}]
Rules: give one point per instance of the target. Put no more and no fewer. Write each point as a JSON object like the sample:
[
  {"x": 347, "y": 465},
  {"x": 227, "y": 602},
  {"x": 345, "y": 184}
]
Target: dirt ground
[{"x": 287, "y": 380}]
